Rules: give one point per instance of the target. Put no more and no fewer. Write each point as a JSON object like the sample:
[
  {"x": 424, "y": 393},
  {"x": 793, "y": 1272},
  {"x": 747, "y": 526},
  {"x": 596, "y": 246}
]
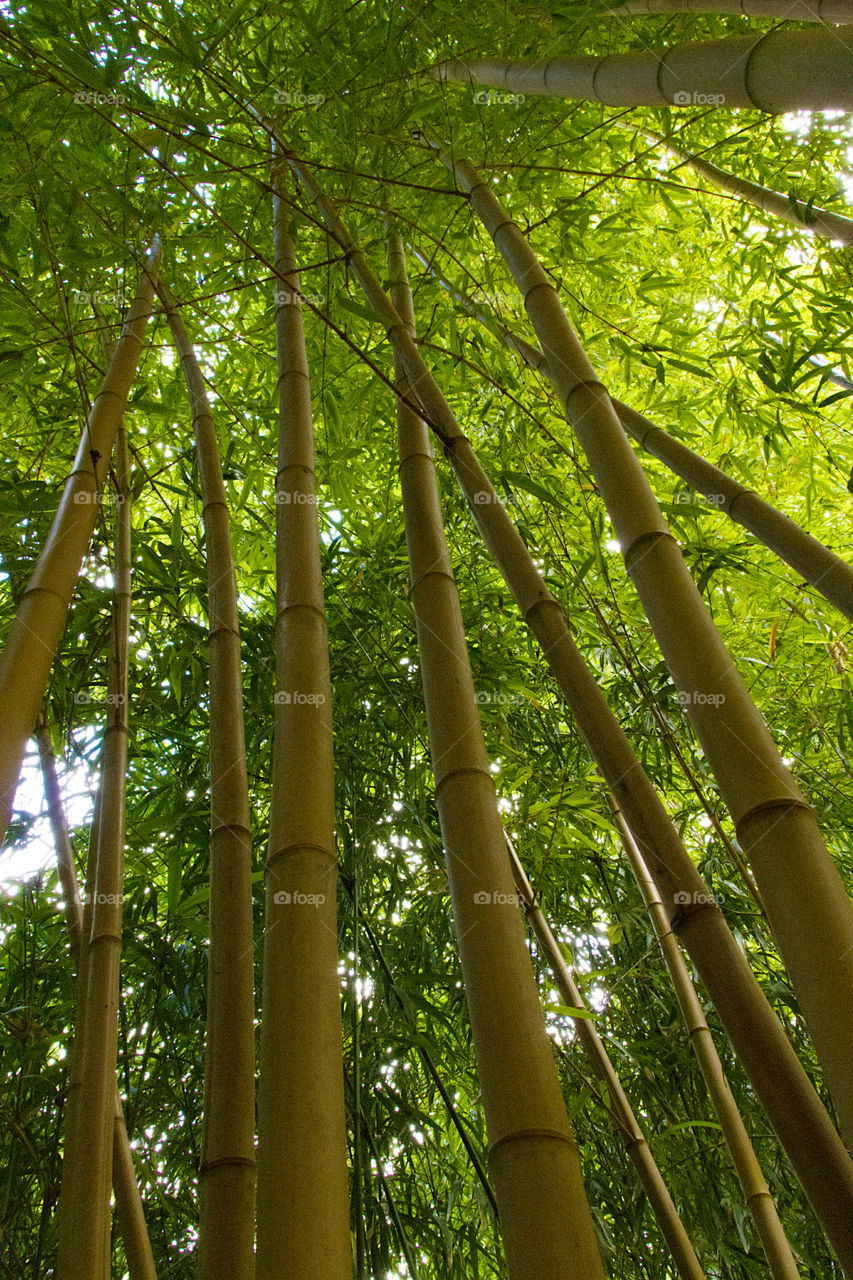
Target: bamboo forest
[{"x": 426, "y": 589}]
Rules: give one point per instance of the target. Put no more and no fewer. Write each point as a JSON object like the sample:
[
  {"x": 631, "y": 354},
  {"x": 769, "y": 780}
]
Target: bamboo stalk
[
  {"x": 828, "y": 11},
  {"x": 226, "y": 1230},
  {"x": 777, "y": 1075},
  {"x": 84, "y": 1205},
  {"x": 827, "y": 572},
  {"x": 639, "y": 1152},
  {"x": 800, "y": 213},
  {"x": 807, "y": 904},
  {"x": 129, "y": 1210},
  {"x": 303, "y": 1192},
  {"x": 38, "y": 625},
  {"x": 545, "y": 1220},
  {"x": 756, "y": 1193},
  {"x": 775, "y": 72}
]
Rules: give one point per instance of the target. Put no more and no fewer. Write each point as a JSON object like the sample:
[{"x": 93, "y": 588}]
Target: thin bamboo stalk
[
  {"x": 807, "y": 903},
  {"x": 129, "y": 1210},
  {"x": 37, "y": 628},
  {"x": 777, "y": 1075},
  {"x": 800, "y": 213},
  {"x": 827, "y": 572},
  {"x": 829, "y": 11},
  {"x": 545, "y": 1220},
  {"x": 226, "y": 1231},
  {"x": 756, "y": 1193},
  {"x": 631, "y": 1133},
  {"x": 778, "y": 71},
  {"x": 303, "y": 1192},
  {"x": 84, "y": 1206}
]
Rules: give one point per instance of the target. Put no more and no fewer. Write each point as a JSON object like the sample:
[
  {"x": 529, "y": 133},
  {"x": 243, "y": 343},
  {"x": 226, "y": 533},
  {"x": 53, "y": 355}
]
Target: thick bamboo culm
[
  {"x": 84, "y": 1205},
  {"x": 756, "y": 1193},
  {"x": 776, "y": 71},
  {"x": 226, "y": 1225},
  {"x": 827, "y": 572},
  {"x": 546, "y": 1224},
  {"x": 800, "y": 1120},
  {"x": 805, "y": 898},
  {"x": 828, "y": 11},
  {"x": 639, "y": 1152},
  {"x": 800, "y": 213},
  {"x": 303, "y": 1189},
  {"x": 781, "y": 1085},
  {"x": 128, "y": 1202},
  {"x": 38, "y": 625}
]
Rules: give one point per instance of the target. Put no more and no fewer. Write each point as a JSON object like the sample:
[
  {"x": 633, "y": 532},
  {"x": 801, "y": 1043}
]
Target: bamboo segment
[
  {"x": 227, "y": 1170},
  {"x": 36, "y": 631},
  {"x": 639, "y": 1152},
  {"x": 796, "y": 1113},
  {"x": 826, "y": 571},
  {"x": 776, "y": 1074},
  {"x": 775, "y": 72},
  {"x": 755, "y": 1190},
  {"x": 800, "y": 213},
  {"x": 84, "y": 1205},
  {"x": 829, "y": 11},
  {"x": 303, "y": 1192},
  {"x": 129, "y": 1211},
  {"x": 545, "y": 1220},
  {"x": 802, "y": 890}
]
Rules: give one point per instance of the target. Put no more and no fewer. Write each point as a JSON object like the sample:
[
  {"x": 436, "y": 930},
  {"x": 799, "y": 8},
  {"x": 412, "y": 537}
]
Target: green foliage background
[{"x": 692, "y": 310}]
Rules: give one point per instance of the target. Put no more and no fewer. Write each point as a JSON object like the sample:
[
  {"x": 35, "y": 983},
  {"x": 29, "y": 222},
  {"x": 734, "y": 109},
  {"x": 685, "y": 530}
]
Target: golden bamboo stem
[
  {"x": 303, "y": 1192},
  {"x": 829, "y": 11},
  {"x": 36, "y": 631},
  {"x": 226, "y": 1230}
]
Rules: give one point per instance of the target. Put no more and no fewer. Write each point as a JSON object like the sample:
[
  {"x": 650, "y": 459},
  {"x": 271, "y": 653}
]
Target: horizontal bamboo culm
[
  {"x": 828, "y": 11},
  {"x": 777, "y": 1075},
  {"x": 805, "y": 898},
  {"x": 36, "y": 631}
]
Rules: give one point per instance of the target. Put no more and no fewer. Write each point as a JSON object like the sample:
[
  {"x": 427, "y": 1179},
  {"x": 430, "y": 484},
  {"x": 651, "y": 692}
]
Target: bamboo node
[{"x": 520, "y": 1134}]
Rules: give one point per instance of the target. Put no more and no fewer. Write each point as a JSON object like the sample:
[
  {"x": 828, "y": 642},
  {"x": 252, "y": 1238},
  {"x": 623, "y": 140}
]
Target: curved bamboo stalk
[
  {"x": 226, "y": 1231},
  {"x": 807, "y": 904},
  {"x": 546, "y": 1223},
  {"x": 828, "y": 11},
  {"x": 84, "y": 1205},
  {"x": 800, "y": 213},
  {"x": 303, "y": 1192},
  {"x": 636, "y": 1144},
  {"x": 827, "y": 572},
  {"x": 38, "y": 625},
  {"x": 756, "y": 1193},
  {"x": 129, "y": 1210},
  {"x": 774, "y": 1069},
  {"x": 775, "y": 72}
]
